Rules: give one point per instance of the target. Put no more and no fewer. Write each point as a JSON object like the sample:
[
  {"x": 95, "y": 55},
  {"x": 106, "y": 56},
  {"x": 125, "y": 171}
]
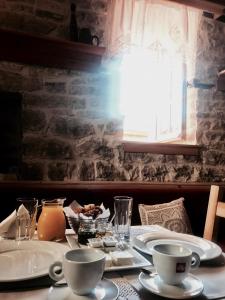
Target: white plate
[
  {"x": 139, "y": 261},
  {"x": 206, "y": 249},
  {"x": 190, "y": 287},
  {"x": 105, "y": 290},
  {"x": 27, "y": 259}
]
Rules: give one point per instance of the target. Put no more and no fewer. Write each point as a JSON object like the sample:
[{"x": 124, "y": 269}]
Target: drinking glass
[
  {"x": 122, "y": 221},
  {"x": 26, "y": 213},
  {"x": 101, "y": 225}
]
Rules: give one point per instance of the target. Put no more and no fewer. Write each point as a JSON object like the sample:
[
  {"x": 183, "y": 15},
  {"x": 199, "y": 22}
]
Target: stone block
[
  {"x": 80, "y": 90},
  {"x": 103, "y": 151},
  {"x": 154, "y": 173},
  {"x": 55, "y": 87},
  {"x": 70, "y": 127},
  {"x": 44, "y": 100},
  {"x": 32, "y": 84},
  {"x": 49, "y": 15},
  {"x": 87, "y": 171},
  {"x": 57, "y": 171},
  {"x": 47, "y": 148},
  {"x": 10, "y": 81},
  {"x": 57, "y": 149},
  {"x": 38, "y": 26},
  {"x": 210, "y": 175},
  {"x": 81, "y": 4},
  {"x": 77, "y": 102},
  {"x": 21, "y": 8},
  {"x": 34, "y": 121},
  {"x": 108, "y": 172},
  {"x": 100, "y": 6},
  {"x": 53, "y": 6},
  {"x": 184, "y": 173},
  {"x": 25, "y": 22},
  {"x": 113, "y": 127},
  {"x": 32, "y": 171},
  {"x": 214, "y": 158}
]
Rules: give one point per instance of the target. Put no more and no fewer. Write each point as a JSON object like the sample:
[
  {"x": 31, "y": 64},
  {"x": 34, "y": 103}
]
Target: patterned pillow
[{"x": 171, "y": 215}]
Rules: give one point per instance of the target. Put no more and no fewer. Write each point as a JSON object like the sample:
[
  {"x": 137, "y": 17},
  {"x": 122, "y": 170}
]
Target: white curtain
[
  {"x": 152, "y": 25},
  {"x": 153, "y": 39}
]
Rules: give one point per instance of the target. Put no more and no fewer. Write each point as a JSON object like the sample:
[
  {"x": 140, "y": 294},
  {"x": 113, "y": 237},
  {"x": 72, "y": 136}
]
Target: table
[{"x": 212, "y": 276}]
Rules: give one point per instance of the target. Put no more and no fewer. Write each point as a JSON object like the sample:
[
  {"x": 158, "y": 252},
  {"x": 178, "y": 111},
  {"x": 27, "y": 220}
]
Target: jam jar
[{"x": 86, "y": 231}]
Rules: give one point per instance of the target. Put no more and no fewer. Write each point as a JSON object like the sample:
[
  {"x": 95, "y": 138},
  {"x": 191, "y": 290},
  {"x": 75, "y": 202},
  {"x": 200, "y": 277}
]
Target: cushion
[{"x": 171, "y": 215}]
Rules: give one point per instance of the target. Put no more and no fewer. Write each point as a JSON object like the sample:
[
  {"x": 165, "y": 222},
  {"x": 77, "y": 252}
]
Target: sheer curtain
[
  {"x": 152, "y": 25},
  {"x": 153, "y": 38}
]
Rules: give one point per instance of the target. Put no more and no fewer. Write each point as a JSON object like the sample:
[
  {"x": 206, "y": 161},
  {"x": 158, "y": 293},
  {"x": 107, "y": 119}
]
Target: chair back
[{"x": 216, "y": 208}]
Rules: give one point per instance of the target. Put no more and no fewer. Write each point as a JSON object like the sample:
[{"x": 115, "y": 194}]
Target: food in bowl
[{"x": 90, "y": 210}]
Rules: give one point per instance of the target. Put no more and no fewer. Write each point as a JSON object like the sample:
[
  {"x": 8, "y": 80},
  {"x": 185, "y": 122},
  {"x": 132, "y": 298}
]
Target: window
[
  {"x": 156, "y": 43},
  {"x": 151, "y": 97}
]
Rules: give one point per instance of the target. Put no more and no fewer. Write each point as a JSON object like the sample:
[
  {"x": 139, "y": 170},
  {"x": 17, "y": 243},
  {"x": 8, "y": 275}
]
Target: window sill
[{"x": 159, "y": 148}]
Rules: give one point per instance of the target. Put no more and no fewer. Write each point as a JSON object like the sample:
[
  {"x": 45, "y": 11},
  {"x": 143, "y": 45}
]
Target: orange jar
[{"x": 52, "y": 223}]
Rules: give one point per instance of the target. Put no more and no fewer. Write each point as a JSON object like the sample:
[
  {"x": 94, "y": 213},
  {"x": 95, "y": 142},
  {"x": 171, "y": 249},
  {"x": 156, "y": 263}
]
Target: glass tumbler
[
  {"x": 101, "y": 225},
  {"x": 26, "y": 212},
  {"x": 122, "y": 221}
]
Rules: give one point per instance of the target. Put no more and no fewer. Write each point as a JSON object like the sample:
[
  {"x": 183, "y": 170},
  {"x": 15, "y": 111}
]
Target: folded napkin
[{"x": 8, "y": 228}]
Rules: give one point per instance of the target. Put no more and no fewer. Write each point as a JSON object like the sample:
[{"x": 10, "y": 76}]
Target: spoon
[
  {"x": 60, "y": 284},
  {"x": 149, "y": 272}
]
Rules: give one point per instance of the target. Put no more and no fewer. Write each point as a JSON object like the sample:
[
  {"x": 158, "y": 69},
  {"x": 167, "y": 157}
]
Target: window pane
[{"x": 151, "y": 95}]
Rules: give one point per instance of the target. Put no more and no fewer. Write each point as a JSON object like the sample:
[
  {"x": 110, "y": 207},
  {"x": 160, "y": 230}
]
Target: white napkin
[{"x": 8, "y": 226}]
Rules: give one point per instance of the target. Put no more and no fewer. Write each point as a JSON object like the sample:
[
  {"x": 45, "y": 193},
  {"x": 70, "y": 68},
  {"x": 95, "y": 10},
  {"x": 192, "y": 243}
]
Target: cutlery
[
  {"x": 149, "y": 272},
  {"x": 72, "y": 241},
  {"x": 60, "y": 284}
]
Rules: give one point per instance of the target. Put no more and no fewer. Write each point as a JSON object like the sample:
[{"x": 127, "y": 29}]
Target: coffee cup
[
  {"x": 81, "y": 268},
  {"x": 173, "y": 262}
]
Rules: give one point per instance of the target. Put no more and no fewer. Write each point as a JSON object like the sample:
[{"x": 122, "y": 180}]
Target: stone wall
[{"x": 68, "y": 132}]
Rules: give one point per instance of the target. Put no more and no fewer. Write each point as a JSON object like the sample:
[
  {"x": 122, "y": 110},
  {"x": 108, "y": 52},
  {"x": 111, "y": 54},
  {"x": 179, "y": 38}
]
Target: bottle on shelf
[{"x": 74, "y": 32}]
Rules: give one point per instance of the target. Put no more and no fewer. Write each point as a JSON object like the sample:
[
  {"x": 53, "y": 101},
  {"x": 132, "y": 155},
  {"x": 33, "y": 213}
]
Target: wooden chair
[{"x": 216, "y": 208}]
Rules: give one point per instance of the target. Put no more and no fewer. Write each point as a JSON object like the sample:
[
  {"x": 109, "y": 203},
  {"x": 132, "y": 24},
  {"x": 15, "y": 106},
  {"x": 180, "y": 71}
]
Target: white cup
[
  {"x": 173, "y": 262},
  {"x": 82, "y": 269}
]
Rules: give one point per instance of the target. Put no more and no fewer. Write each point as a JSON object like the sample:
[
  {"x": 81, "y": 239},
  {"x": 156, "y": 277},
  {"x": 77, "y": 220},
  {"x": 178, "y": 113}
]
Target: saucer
[
  {"x": 105, "y": 290},
  {"x": 190, "y": 287}
]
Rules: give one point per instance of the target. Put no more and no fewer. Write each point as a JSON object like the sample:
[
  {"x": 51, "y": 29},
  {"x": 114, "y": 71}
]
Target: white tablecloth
[{"x": 213, "y": 279}]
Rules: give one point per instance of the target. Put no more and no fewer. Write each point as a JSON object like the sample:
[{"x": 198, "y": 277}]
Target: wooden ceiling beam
[{"x": 216, "y": 7}]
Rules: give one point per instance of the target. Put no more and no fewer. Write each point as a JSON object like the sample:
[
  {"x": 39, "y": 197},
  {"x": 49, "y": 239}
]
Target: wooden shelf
[{"x": 48, "y": 52}]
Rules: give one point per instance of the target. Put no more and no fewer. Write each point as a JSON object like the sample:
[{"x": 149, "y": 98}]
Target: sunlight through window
[{"x": 151, "y": 96}]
